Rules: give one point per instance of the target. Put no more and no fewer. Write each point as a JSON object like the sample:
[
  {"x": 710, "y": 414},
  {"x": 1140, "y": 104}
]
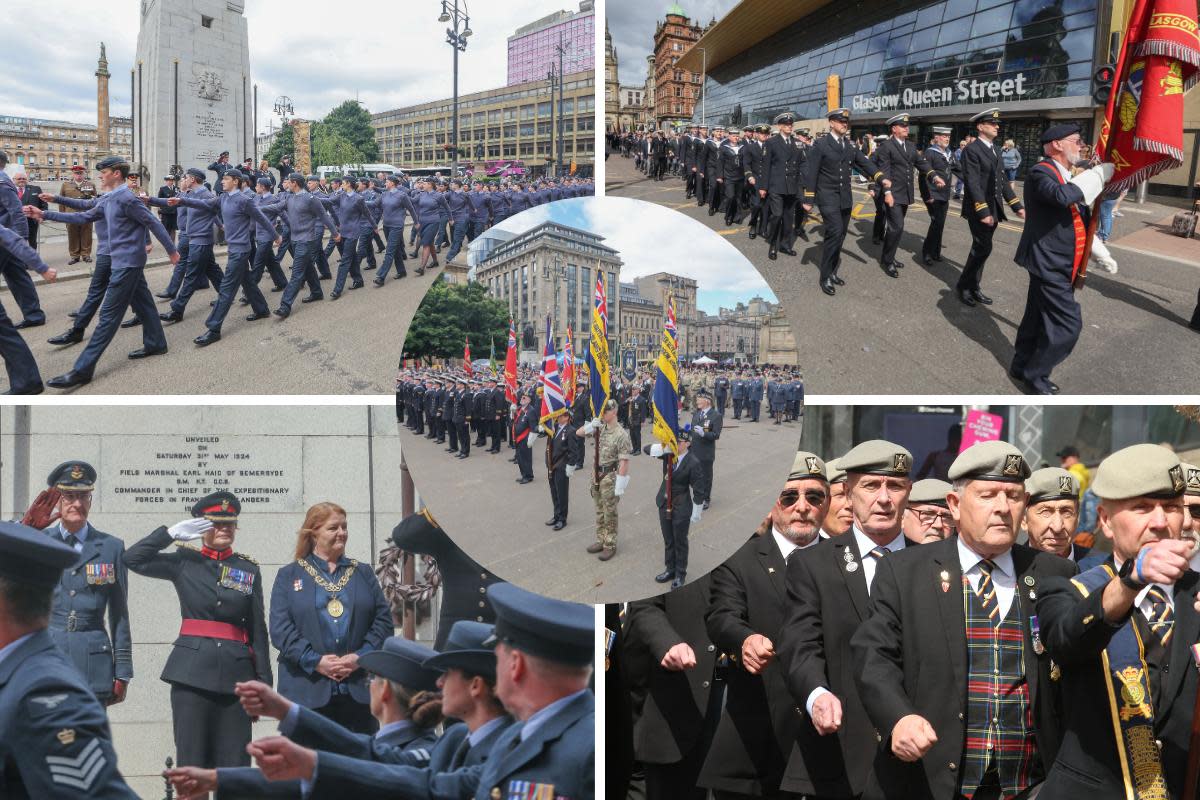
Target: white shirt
[
  {"x": 1004, "y": 576},
  {"x": 787, "y": 546},
  {"x": 865, "y": 546},
  {"x": 1066, "y": 173}
]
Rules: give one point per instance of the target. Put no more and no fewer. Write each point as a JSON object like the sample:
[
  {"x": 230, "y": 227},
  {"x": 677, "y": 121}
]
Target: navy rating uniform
[
  {"x": 782, "y": 176},
  {"x": 896, "y": 159},
  {"x": 712, "y": 170},
  {"x": 56, "y": 740},
  {"x": 95, "y": 586},
  {"x": 936, "y": 198},
  {"x": 1051, "y": 247},
  {"x": 986, "y": 191},
  {"x": 732, "y": 175},
  {"x": 827, "y": 185},
  {"x": 222, "y": 639}
]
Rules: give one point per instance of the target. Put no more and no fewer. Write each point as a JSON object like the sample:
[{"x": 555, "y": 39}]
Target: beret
[
  {"x": 834, "y": 471},
  {"x": 1052, "y": 483},
  {"x": 807, "y": 465},
  {"x": 930, "y": 491},
  {"x": 990, "y": 461},
  {"x": 877, "y": 457},
  {"x": 196, "y": 173},
  {"x": 1056, "y": 132},
  {"x": 1140, "y": 470}
]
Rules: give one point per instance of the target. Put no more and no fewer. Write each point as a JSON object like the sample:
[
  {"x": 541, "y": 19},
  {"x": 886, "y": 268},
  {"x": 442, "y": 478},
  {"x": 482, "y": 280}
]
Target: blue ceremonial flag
[
  {"x": 665, "y": 404},
  {"x": 553, "y": 403},
  {"x": 597, "y": 358}
]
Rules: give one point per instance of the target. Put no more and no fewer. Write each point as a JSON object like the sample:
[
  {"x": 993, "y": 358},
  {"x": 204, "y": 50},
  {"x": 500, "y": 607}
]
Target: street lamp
[
  {"x": 457, "y": 39},
  {"x": 703, "y": 94}
]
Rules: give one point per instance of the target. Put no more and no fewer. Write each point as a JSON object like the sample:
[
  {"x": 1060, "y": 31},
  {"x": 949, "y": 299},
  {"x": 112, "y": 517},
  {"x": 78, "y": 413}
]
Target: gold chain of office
[{"x": 334, "y": 607}]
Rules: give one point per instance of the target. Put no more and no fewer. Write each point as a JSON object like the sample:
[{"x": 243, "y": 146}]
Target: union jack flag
[{"x": 553, "y": 402}]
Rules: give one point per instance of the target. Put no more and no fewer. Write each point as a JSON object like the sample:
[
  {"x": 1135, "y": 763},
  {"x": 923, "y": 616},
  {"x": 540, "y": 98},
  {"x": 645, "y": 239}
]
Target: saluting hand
[
  {"x": 757, "y": 652},
  {"x": 827, "y": 713},
  {"x": 281, "y": 759},
  {"x": 912, "y": 737},
  {"x": 679, "y": 658},
  {"x": 260, "y": 700}
]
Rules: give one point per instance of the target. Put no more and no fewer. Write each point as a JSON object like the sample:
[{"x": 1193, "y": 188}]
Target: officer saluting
[
  {"x": 96, "y": 583},
  {"x": 827, "y": 183},
  {"x": 223, "y": 637},
  {"x": 56, "y": 740},
  {"x": 987, "y": 192},
  {"x": 896, "y": 157}
]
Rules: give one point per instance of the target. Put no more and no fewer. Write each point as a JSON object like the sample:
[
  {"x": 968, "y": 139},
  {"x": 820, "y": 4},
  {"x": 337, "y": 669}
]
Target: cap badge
[
  {"x": 1176, "y": 473},
  {"x": 224, "y": 505},
  {"x": 1012, "y": 465},
  {"x": 1064, "y": 483},
  {"x": 1193, "y": 478},
  {"x": 813, "y": 467},
  {"x": 66, "y": 736},
  {"x": 900, "y": 462},
  {"x": 76, "y": 472}
]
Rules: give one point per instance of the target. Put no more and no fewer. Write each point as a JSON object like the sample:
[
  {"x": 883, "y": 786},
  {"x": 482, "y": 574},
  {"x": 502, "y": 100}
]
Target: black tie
[
  {"x": 877, "y": 553},
  {"x": 72, "y": 540},
  {"x": 460, "y": 755},
  {"x": 1162, "y": 617}
]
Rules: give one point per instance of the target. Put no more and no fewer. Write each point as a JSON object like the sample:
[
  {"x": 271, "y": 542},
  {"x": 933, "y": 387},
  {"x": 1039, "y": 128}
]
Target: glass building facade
[{"x": 940, "y": 61}]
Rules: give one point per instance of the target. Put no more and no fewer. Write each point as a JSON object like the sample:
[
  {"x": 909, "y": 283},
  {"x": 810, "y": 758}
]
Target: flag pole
[{"x": 670, "y": 472}]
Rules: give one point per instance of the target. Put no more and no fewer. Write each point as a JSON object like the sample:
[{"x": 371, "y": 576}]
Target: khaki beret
[
  {"x": 834, "y": 471},
  {"x": 1052, "y": 483},
  {"x": 807, "y": 465},
  {"x": 877, "y": 457},
  {"x": 1191, "y": 479},
  {"x": 1140, "y": 470},
  {"x": 930, "y": 491},
  {"x": 990, "y": 461}
]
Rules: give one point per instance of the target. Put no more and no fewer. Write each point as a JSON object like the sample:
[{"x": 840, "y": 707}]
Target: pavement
[
  {"x": 348, "y": 346},
  {"x": 500, "y": 524},
  {"x": 911, "y": 335}
]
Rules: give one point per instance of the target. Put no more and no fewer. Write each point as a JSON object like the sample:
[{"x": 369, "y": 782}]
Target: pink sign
[{"x": 981, "y": 427}]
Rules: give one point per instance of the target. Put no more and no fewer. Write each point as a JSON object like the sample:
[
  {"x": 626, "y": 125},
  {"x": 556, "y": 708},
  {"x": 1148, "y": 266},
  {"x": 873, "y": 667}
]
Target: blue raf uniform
[
  {"x": 18, "y": 280},
  {"x": 754, "y": 395},
  {"x": 353, "y": 224},
  {"x": 307, "y": 217},
  {"x": 1051, "y": 249},
  {"x": 222, "y": 638},
  {"x": 394, "y": 204},
  {"x": 56, "y": 740},
  {"x": 202, "y": 266},
  {"x": 739, "y": 397},
  {"x": 311, "y": 617},
  {"x": 365, "y": 251},
  {"x": 460, "y": 215},
  {"x": 23, "y": 375},
  {"x": 95, "y": 586}
]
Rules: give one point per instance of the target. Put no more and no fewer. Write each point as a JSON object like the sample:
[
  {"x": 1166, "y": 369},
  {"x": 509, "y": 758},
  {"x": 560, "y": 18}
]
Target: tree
[
  {"x": 353, "y": 123},
  {"x": 330, "y": 149},
  {"x": 283, "y": 145},
  {"x": 448, "y": 314}
]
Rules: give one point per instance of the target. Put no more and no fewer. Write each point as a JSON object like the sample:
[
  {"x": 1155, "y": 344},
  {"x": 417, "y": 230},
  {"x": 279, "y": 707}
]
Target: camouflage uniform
[{"x": 614, "y": 446}]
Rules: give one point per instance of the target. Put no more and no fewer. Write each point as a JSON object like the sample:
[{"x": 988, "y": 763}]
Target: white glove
[
  {"x": 697, "y": 510},
  {"x": 697, "y": 433},
  {"x": 656, "y": 450},
  {"x": 189, "y": 529},
  {"x": 512, "y": 408},
  {"x": 570, "y": 470},
  {"x": 1102, "y": 256},
  {"x": 1091, "y": 181},
  {"x": 621, "y": 483}
]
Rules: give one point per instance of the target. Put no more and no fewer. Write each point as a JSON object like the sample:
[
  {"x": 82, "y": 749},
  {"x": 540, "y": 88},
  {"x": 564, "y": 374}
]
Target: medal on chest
[{"x": 237, "y": 579}]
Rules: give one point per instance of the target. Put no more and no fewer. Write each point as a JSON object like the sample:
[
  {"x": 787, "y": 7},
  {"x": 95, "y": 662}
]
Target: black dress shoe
[
  {"x": 664, "y": 577},
  {"x": 207, "y": 338},
  {"x": 753, "y": 235},
  {"x": 142, "y": 352},
  {"x": 243, "y": 302},
  {"x": 278, "y": 288},
  {"x": 334, "y": 295},
  {"x": 966, "y": 298},
  {"x": 73, "y": 336},
  {"x": 73, "y": 261},
  {"x": 772, "y": 254},
  {"x": 378, "y": 282},
  {"x": 72, "y": 314},
  {"x": 677, "y": 583},
  {"x": 282, "y": 313},
  {"x": 1041, "y": 388},
  {"x": 132, "y": 322},
  {"x": 927, "y": 261},
  {"x": 87, "y": 259},
  {"x": 23, "y": 324},
  {"x": 356, "y": 285},
  {"x": 828, "y": 288},
  {"x": 787, "y": 251},
  {"x": 552, "y": 521},
  {"x": 164, "y": 295},
  {"x": 890, "y": 271},
  {"x": 803, "y": 234},
  {"x": 262, "y": 315},
  {"x": 837, "y": 281},
  {"x": 312, "y": 298},
  {"x": 33, "y": 388},
  {"x": 558, "y": 526},
  {"x": 212, "y": 303},
  {"x": 980, "y": 297},
  {"x": 69, "y": 380},
  {"x": 171, "y": 316},
  {"x": 706, "y": 502}
]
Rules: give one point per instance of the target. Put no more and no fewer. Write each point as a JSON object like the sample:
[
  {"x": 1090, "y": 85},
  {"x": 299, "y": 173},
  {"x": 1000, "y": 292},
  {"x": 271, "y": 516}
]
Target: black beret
[
  {"x": 264, "y": 182},
  {"x": 1056, "y": 132},
  {"x": 196, "y": 173},
  {"x": 112, "y": 162}
]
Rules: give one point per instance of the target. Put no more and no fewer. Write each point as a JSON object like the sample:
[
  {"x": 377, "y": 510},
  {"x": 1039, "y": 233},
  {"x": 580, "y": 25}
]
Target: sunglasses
[
  {"x": 1194, "y": 510},
  {"x": 789, "y": 497}
]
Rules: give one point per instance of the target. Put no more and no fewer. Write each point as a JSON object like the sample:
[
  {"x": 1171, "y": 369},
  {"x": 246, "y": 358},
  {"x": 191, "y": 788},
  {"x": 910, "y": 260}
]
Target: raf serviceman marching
[
  {"x": 896, "y": 158},
  {"x": 56, "y": 740},
  {"x": 936, "y": 198},
  {"x": 827, "y": 184},
  {"x": 95, "y": 585},
  {"x": 782, "y": 173},
  {"x": 223, "y": 635},
  {"x": 986, "y": 193}
]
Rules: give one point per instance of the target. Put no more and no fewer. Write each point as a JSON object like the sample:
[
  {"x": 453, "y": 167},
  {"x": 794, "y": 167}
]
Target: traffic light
[{"x": 1102, "y": 83}]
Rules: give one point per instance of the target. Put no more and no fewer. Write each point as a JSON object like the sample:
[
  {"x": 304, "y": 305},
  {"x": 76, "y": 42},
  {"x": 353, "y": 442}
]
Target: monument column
[{"x": 102, "y": 144}]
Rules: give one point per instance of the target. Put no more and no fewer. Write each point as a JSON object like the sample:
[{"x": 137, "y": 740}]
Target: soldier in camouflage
[{"x": 610, "y": 481}]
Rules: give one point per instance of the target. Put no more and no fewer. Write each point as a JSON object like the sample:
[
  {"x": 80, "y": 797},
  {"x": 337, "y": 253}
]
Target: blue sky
[{"x": 652, "y": 238}]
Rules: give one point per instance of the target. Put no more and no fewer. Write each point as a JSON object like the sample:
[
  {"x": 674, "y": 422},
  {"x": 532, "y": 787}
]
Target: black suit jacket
[
  {"x": 827, "y": 176},
  {"x": 685, "y": 475},
  {"x": 911, "y": 658},
  {"x": 943, "y": 167},
  {"x": 1048, "y": 243},
  {"x": 759, "y": 718},
  {"x": 826, "y": 604},
  {"x": 896, "y": 162},
  {"x": 670, "y": 720},
  {"x": 1075, "y": 633},
  {"x": 986, "y": 190},
  {"x": 782, "y": 165},
  {"x": 705, "y": 448}
]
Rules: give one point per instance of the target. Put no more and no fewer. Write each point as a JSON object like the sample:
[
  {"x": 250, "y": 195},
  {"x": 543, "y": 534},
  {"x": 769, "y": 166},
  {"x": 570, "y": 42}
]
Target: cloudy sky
[
  {"x": 317, "y": 53},
  {"x": 632, "y": 23},
  {"x": 662, "y": 241}
]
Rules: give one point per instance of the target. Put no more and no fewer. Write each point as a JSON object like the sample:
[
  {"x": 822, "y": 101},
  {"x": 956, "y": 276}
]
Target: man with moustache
[
  {"x": 950, "y": 665},
  {"x": 1118, "y": 628},
  {"x": 838, "y": 517},
  {"x": 745, "y": 617},
  {"x": 927, "y": 517},
  {"x": 835, "y": 746},
  {"x": 1053, "y": 514}
]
